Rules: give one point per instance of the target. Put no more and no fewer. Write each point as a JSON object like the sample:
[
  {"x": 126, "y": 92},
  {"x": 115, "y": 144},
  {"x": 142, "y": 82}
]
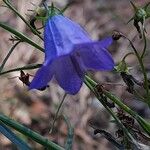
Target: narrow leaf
[
  {"x": 13, "y": 138},
  {"x": 29, "y": 133}
]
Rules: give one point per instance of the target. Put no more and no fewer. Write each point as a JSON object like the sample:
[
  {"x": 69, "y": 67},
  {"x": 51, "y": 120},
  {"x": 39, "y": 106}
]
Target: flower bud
[
  {"x": 140, "y": 15},
  {"x": 122, "y": 67}
]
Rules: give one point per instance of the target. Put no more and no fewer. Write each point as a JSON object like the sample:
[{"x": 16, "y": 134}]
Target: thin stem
[
  {"x": 110, "y": 96},
  {"x": 69, "y": 140},
  {"x": 126, "y": 132},
  {"x": 27, "y": 67},
  {"x": 26, "y": 131},
  {"x": 57, "y": 112},
  {"x": 110, "y": 112},
  {"x": 145, "y": 45},
  {"x": 143, "y": 71},
  {"x": 127, "y": 55},
  {"x": 7, "y": 2},
  {"x": 7, "y": 56},
  {"x": 144, "y": 124},
  {"x": 21, "y": 36},
  {"x": 138, "y": 95}
]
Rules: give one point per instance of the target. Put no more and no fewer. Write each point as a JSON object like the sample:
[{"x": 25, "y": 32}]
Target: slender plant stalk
[
  {"x": 9, "y": 53},
  {"x": 69, "y": 140},
  {"x": 143, "y": 123},
  {"x": 131, "y": 53},
  {"x": 26, "y": 131},
  {"x": 145, "y": 45},
  {"x": 113, "y": 98},
  {"x": 20, "y": 36},
  {"x": 27, "y": 67},
  {"x": 126, "y": 132},
  {"x": 9, "y": 5},
  {"x": 143, "y": 70},
  {"x": 57, "y": 112}
]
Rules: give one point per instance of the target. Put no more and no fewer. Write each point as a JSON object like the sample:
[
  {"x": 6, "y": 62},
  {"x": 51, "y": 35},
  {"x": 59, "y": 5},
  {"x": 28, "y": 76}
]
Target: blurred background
[{"x": 36, "y": 109}]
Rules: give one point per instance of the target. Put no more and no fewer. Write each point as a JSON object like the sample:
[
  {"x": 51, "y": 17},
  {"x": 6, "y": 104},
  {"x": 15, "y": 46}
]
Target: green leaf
[
  {"x": 13, "y": 137},
  {"x": 29, "y": 133},
  {"x": 144, "y": 124}
]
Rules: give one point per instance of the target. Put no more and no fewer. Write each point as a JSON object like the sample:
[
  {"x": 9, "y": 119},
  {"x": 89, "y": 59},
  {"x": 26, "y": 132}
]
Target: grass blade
[
  {"x": 29, "y": 133},
  {"x": 13, "y": 137}
]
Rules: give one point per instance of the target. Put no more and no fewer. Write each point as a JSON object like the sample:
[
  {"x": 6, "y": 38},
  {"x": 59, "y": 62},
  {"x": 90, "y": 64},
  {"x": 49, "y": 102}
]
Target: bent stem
[
  {"x": 26, "y": 131},
  {"x": 7, "y": 56},
  {"x": 146, "y": 85},
  {"x": 131, "y": 53}
]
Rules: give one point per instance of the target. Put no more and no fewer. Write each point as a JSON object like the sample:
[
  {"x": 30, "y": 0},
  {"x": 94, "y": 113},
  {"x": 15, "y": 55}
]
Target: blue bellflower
[{"x": 69, "y": 54}]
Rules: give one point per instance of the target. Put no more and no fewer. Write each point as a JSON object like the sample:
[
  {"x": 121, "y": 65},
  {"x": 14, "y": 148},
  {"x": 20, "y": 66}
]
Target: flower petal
[
  {"x": 60, "y": 35},
  {"x": 42, "y": 77},
  {"x": 106, "y": 42},
  {"x": 95, "y": 56},
  {"x": 67, "y": 74}
]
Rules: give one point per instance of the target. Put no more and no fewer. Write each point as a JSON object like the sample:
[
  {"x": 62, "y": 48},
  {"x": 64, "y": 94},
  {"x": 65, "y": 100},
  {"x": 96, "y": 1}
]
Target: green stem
[
  {"x": 21, "y": 36},
  {"x": 138, "y": 95},
  {"x": 144, "y": 124},
  {"x": 27, "y": 67},
  {"x": 92, "y": 82},
  {"x": 145, "y": 45},
  {"x": 143, "y": 71},
  {"x": 90, "y": 86},
  {"x": 56, "y": 115},
  {"x": 117, "y": 101},
  {"x": 9, "y": 53},
  {"x": 126, "y": 132},
  {"x": 131, "y": 53},
  {"x": 7, "y": 2},
  {"x": 70, "y": 135},
  {"x": 26, "y": 131}
]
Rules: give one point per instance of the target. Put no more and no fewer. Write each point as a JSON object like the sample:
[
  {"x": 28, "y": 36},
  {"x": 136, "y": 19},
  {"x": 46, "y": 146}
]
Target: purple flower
[{"x": 69, "y": 54}]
